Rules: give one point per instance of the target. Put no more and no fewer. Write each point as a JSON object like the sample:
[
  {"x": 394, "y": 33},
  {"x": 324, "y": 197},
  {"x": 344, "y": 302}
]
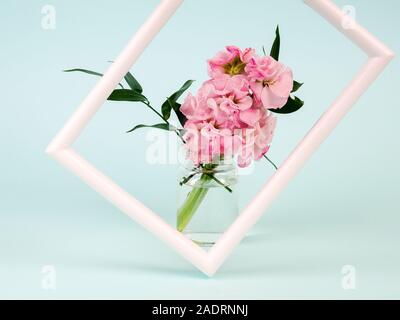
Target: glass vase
[{"x": 207, "y": 201}]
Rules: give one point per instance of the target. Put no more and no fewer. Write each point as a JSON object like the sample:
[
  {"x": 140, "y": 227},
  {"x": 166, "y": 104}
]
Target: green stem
[
  {"x": 192, "y": 203},
  {"x": 219, "y": 182},
  {"x": 271, "y": 162},
  {"x": 147, "y": 103}
]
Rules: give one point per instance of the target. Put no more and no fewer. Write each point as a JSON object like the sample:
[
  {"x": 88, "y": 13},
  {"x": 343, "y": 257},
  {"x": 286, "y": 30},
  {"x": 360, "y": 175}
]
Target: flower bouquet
[{"x": 229, "y": 122}]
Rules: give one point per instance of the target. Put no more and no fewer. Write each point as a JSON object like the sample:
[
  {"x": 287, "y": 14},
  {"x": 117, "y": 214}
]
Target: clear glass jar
[{"x": 207, "y": 203}]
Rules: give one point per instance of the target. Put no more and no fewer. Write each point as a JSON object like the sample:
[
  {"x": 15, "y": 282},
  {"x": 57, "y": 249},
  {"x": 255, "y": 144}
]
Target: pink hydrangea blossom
[
  {"x": 224, "y": 120},
  {"x": 227, "y": 101}
]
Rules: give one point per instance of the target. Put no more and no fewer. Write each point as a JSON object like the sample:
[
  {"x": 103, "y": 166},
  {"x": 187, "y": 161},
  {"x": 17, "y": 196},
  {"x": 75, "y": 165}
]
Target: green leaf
[
  {"x": 93, "y": 73},
  {"x": 161, "y": 126},
  {"x": 180, "y": 92},
  {"x": 291, "y": 106},
  {"x": 133, "y": 83},
  {"x": 126, "y": 95},
  {"x": 276, "y": 45},
  {"x": 264, "y": 51},
  {"x": 181, "y": 117},
  {"x": 296, "y": 86},
  {"x": 166, "y": 109},
  {"x": 168, "y": 106},
  {"x": 172, "y": 104}
]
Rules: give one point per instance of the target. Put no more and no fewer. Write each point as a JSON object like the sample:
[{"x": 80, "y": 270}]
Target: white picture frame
[{"x": 210, "y": 261}]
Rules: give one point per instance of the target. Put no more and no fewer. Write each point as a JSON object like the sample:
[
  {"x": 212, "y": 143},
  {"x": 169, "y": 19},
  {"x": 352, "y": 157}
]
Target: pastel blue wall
[{"x": 343, "y": 208}]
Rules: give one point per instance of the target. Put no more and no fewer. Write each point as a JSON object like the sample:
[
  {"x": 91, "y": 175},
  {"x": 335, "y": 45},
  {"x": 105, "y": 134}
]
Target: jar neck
[{"x": 221, "y": 166}]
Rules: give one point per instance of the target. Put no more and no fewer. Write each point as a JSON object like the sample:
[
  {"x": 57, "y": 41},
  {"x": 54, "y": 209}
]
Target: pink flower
[
  {"x": 196, "y": 108},
  {"x": 228, "y": 129},
  {"x": 206, "y": 144},
  {"x": 229, "y": 114},
  {"x": 271, "y": 81},
  {"x": 232, "y": 61},
  {"x": 264, "y": 131},
  {"x": 225, "y": 100},
  {"x": 257, "y": 140},
  {"x": 247, "y": 54},
  {"x": 262, "y": 68},
  {"x": 251, "y": 116}
]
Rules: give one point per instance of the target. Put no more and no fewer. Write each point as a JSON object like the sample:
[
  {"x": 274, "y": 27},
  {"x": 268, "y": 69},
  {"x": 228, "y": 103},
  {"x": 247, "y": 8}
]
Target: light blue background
[{"x": 342, "y": 209}]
